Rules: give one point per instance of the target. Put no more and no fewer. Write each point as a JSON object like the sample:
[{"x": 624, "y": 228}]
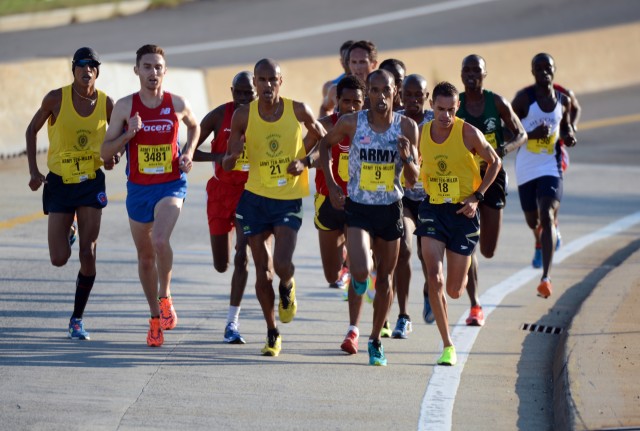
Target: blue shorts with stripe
[
  {"x": 257, "y": 214},
  {"x": 142, "y": 199}
]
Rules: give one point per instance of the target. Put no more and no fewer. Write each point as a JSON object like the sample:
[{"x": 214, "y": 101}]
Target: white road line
[
  {"x": 309, "y": 31},
  {"x": 436, "y": 411}
]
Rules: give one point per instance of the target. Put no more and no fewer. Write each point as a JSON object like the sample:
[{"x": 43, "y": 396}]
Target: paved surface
[{"x": 584, "y": 378}]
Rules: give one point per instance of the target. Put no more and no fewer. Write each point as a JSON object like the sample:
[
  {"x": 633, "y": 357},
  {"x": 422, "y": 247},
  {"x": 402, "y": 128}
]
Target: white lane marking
[
  {"x": 436, "y": 411},
  {"x": 309, "y": 31}
]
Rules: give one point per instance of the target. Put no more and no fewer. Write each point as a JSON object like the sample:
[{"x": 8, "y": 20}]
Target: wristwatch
[
  {"x": 479, "y": 196},
  {"x": 409, "y": 159}
]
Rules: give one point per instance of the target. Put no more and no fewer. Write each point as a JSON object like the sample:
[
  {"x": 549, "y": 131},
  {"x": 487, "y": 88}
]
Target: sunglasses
[{"x": 85, "y": 62}]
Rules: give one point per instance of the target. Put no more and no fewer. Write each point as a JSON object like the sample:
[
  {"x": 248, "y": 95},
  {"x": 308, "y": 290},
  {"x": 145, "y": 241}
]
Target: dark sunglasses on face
[{"x": 85, "y": 62}]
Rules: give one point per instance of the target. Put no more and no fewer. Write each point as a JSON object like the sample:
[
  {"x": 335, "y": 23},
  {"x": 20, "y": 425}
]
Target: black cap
[{"x": 86, "y": 53}]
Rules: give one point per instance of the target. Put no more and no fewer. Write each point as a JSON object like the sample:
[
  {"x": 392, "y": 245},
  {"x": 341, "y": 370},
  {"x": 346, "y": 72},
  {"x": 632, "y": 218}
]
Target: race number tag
[
  {"x": 77, "y": 166},
  {"x": 154, "y": 159},
  {"x": 273, "y": 172},
  {"x": 444, "y": 189},
  {"x": 377, "y": 177},
  {"x": 343, "y": 167},
  {"x": 544, "y": 145},
  {"x": 242, "y": 164}
]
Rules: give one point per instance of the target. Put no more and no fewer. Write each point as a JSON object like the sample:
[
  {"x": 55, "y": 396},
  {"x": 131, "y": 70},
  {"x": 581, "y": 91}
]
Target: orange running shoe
[
  {"x": 168, "y": 316},
  {"x": 350, "y": 343},
  {"x": 544, "y": 288},
  {"x": 154, "y": 336},
  {"x": 476, "y": 316}
]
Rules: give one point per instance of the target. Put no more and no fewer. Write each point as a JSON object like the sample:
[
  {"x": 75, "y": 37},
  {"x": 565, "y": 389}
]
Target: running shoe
[
  {"x": 288, "y": 305},
  {"x": 558, "y": 239},
  {"x": 273, "y": 345},
  {"x": 476, "y": 316},
  {"x": 403, "y": 328},
  {"x": 427, "y": 312},
  {"x": 371, "y": 288},
  {"x": 168, "y": 316},
  {"x": 76, "y": 330},
  {"x": 544, "y": 288},
  {"x": 376, "y": 354},
  {"x": 154, "y": 336},
  {"x": 385, "y": 332},
  {"x": 350, "y": 343},
  {"x": 73, "y": 232},
  {"x": 537, "y": 258},
  {"x": 344, "y": 277},
  {"x": 232, "y": 335},
  {"x": 448, "y": 356}
]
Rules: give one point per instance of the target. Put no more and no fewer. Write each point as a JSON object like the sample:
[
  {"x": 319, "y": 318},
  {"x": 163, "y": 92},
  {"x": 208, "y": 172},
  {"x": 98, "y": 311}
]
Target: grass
[{"x": 12, "y": 7}]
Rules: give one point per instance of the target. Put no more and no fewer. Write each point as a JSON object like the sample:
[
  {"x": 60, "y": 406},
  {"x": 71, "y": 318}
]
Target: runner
[
  {"x": 223, "y": 193},
  {"x": 76, "y": 117},
  {"x": 329, "y": 97},
  {"x": 414, "y": 96},
  {"x": 448, "y": 216},
  {"x": 398, "y": 70},
  {"x": 487, "y": 111},
  {"x": 145, "y": 124},
  {"x": 382, "y": 143},
  {"x": 545, "y": 115},
  {"x": 271, "y": 204}
]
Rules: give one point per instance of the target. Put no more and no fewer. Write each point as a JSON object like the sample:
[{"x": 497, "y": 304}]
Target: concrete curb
[
  {"x": 60, "y": 17},
  {"x": 595, "y": 369}
]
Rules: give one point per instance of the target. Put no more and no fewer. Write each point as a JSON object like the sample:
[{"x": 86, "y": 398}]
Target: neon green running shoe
[
  {"x": 448, "y": 356},
  {"x": 385, "y": 332},
  {"x": 288, "y": 305},
  {"x": 273, "y": 346}
]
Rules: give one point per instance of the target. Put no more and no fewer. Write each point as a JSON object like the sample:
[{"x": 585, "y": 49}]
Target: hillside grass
[{"x": 13, "y": 7}]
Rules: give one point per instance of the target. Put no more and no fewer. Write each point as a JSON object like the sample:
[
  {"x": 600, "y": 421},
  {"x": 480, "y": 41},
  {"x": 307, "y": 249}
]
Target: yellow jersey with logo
[
  {"x": 270, "y": 147},
  {"x": 74, "y": 140},
  {"x": 449, "y": 172}
]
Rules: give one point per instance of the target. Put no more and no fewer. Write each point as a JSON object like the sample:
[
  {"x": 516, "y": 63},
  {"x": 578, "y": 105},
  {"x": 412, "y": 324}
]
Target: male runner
[
  {"x": 545, "y": 115},
  {"x": 76, "y": 117},
  {"x": 448, "y": 216},
  {"x": 145, "y": 124},
  {"x": 223, "y": 193},
  {"x": 414, "y": 96},
  {"x": 382, "y": 144},
  {"x": 329, "y": 97},
  {"x": 487, "y": 111},
  {"x": 278, "y": 180}
]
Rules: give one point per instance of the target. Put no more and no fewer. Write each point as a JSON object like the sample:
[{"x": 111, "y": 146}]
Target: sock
[
  {"x": 273, "y": 332},
  {"x": 354, "y": 329},
  {"x": 376, "y": 343},
  {"x": 233, "y": 314},
  {"x": 406, "y": 316},
  {"x": 84, "y": 284}
]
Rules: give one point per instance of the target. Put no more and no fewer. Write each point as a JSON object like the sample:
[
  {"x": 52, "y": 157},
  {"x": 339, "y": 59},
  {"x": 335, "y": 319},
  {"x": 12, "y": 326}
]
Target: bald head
[
  {"x": 415, "y": 80},
  {"x": 267, "y": 64},
  {"x": 474, "y": 59},
  {"x": 243, "y": 77},
  {"x": 542, "y": 57}
]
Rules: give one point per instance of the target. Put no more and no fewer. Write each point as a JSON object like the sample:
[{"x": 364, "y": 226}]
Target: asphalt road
[{"x": 397, "y": 24}]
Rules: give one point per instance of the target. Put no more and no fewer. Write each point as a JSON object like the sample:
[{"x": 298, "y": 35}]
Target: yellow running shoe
[
  {"x": 288, "y": 305},
  {"x": 448, "y": 356},
  {"x": 273, "y": 345}
]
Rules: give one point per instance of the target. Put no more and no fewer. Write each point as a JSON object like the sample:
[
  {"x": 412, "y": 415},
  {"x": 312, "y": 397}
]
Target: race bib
[
  {"x": 273, "y": 172},
  {"x": 377, "y": 177},
  {"x": 77, "y": 166},
  {"x": 343, "y": 167},
  {"x": 544, "y": 145},
  {"x": 242, "y": 164},
  {"x": 155, "y": 159},
  {"x": 444, "y": 189}
]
